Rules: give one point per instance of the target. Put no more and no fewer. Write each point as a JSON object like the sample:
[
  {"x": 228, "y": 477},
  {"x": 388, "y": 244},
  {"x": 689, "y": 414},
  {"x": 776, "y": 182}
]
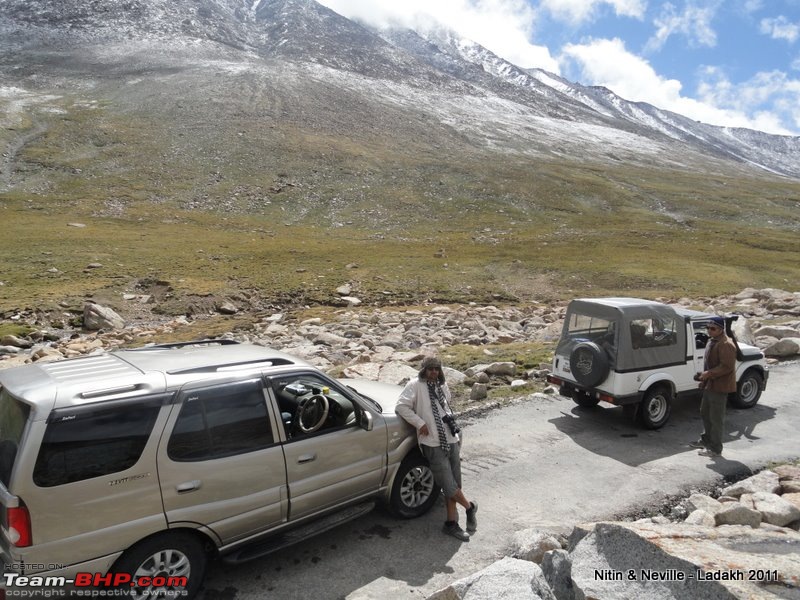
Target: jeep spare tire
[{"x": 589, "y": 364}]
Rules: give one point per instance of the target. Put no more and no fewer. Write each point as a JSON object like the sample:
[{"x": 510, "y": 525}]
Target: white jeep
[{"x": 641, "y": 354}]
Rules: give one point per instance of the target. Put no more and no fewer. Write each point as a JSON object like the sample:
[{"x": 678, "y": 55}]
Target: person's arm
[{"x": 406, "y": 407}]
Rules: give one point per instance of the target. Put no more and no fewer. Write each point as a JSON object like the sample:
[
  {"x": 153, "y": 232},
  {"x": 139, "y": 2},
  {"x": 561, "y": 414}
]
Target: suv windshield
[{"x": 13, "y": 416}]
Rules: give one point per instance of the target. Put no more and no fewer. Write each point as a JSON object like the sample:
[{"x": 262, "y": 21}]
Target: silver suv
[
  {"x": 150, "y": 462},
  {"x": 641, "y": 354}
]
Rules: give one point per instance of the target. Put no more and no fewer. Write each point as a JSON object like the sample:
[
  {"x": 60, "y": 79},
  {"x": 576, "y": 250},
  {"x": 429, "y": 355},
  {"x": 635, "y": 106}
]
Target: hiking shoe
[
  {"x": 452, "y": 528},
  {"x": 710, "y": 453},
  {"x": 698, "y": 444},
  {"x": 472, "y": 517}
]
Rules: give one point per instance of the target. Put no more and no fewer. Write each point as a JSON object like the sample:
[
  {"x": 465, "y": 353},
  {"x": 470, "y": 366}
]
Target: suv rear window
[
  {"x": 13, "y": 416},
  {"x": 93, "y": 443}
]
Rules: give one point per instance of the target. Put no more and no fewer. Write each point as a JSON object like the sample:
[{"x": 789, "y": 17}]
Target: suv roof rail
[
  {"x": 248, "y": 364},
  {"x": 206, "y": 342}
]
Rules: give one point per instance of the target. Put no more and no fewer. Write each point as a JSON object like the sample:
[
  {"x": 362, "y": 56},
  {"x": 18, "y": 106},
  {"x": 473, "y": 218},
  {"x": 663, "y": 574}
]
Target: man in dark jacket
[{"x": 717, "y": 380}]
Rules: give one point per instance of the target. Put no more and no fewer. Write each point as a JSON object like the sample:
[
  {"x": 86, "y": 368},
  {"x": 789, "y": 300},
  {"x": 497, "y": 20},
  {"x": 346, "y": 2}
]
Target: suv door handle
[
  {"x": 188, "y": 486},
  {"x": 305, "y": 458}
]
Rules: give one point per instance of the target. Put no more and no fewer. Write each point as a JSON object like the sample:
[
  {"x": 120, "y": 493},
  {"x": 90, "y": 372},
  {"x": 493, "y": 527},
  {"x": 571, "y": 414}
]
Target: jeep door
[
  {"x": 219, "y": 462},
  {"x": 339, "y": 462}
]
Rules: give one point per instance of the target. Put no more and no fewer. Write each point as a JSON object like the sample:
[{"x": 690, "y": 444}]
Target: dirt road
[{"x": 545, "y": 464}]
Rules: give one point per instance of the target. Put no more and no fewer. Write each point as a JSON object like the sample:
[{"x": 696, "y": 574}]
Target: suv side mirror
[{"x": 366, "y": 422}]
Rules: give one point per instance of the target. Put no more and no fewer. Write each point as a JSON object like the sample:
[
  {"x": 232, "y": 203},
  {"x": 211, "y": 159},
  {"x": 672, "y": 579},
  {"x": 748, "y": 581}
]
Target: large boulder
[
  {"x": 507, "y": 579},
  {"x": 675, "y": 561},
  {"x": 97, "y": 317},
  {"x": 532, "y": 544},
  {"x": 765, "y": 481},
  {"x": 784, "y": 348}
]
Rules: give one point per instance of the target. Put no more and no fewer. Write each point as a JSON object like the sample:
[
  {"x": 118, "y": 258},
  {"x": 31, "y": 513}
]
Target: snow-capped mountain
[{"x": 365, "y": 79}]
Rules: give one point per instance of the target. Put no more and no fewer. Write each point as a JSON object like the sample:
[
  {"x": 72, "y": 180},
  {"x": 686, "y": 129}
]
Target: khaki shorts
[{"x": 446, "y": 469}]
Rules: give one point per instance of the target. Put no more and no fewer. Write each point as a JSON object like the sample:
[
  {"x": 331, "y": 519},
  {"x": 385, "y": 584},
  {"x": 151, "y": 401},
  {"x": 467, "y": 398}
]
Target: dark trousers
[{"x": 712, "y": 410}]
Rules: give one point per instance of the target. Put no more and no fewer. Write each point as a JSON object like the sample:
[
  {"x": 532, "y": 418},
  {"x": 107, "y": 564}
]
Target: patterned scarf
[{"x": 434, "y": 391}]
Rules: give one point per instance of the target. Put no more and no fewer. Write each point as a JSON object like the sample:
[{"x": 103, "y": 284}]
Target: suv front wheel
[
  {"x": 656, "y": 407},
  {"x": 414, "y": 490},
  {"x": 167, "y": 557}
]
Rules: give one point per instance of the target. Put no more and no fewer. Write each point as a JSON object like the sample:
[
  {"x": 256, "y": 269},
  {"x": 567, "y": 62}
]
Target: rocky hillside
[{"x": 513, "y": 344}]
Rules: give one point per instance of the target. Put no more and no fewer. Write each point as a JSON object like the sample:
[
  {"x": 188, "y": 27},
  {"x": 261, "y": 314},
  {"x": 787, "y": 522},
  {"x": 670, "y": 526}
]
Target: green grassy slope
[{"x": 254, "y": 192}]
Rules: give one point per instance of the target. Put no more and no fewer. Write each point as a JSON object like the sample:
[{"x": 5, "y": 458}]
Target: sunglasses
[{"x": 434, "y": 369}]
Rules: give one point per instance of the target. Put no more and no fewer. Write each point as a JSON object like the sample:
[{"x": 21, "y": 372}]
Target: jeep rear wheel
[
  {"x": 656, "y": 407},
  {"x": 584, "y": 399},
  {"x": 748, "y": 390}
]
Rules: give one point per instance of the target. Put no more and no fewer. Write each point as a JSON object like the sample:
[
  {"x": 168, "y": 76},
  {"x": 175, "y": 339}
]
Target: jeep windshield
[{"x": 13, "y": 416}]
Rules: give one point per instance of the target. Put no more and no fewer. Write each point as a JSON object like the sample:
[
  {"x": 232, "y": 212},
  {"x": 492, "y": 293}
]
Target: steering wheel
[{"x": 312, "y": 413}]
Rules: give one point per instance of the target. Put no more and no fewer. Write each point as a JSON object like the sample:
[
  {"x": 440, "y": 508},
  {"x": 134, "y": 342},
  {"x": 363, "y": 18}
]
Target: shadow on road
[
  {"x": 412, "y": 551},
  {"x": 608, "y": 431}
]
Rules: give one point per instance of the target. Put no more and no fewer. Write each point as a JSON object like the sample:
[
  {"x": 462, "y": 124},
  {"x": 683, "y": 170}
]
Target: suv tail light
[{"x": 18, "y": 526}]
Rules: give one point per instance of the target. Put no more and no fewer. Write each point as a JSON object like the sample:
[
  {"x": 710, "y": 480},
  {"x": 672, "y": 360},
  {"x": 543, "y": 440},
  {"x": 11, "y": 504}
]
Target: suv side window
[
  {"x": 221, "y": 421},
  {"x": 292, "y": 389},
  {"x": 81, "y": 444}
]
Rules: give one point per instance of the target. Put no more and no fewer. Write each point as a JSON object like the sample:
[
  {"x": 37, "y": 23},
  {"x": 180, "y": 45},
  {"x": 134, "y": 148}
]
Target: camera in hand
[
  {"x": 451, "y": 423},
  {"x": 697, "y": 376}
]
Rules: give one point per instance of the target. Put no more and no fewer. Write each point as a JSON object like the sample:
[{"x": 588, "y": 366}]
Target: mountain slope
[
  {"x": 437, "y": 60},
  {"x": 265, "y": 145}
]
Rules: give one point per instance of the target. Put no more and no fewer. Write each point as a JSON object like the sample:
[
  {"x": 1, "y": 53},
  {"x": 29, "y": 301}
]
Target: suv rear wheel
[
  {"x": 169, "y": 555},
  {"x": 656, "y": 407}
]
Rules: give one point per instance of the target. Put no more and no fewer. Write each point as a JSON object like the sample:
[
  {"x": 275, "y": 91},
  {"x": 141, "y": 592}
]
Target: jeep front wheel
[
  {"x": 748, "y": 390},
  {"x": 656, "y": 407}
]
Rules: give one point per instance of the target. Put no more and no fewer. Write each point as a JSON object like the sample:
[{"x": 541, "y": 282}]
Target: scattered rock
[{"x": 97, "y": 317}]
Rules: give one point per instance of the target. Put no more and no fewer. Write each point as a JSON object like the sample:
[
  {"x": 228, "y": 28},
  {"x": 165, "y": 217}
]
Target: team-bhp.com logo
[{"x": 93, "y": 585}]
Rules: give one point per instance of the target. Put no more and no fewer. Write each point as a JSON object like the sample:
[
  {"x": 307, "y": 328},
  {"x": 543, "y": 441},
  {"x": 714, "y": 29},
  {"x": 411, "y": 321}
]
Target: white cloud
[
  {"x": 694, "y": 23},
  {"x": 767, "y": 102},
  {"x": 780, "y": 28},
  {"x": 772, "y": 97},
  {"x": 579, "y": 11},
  {"x": 751, "y": 6},
  {"x": 720, "y": 102},
  {"x": 503, "y": 26}
]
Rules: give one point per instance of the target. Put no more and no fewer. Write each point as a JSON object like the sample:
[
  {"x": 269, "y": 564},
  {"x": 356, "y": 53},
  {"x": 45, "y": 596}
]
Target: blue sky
[{"x": 725, "y": 62}]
